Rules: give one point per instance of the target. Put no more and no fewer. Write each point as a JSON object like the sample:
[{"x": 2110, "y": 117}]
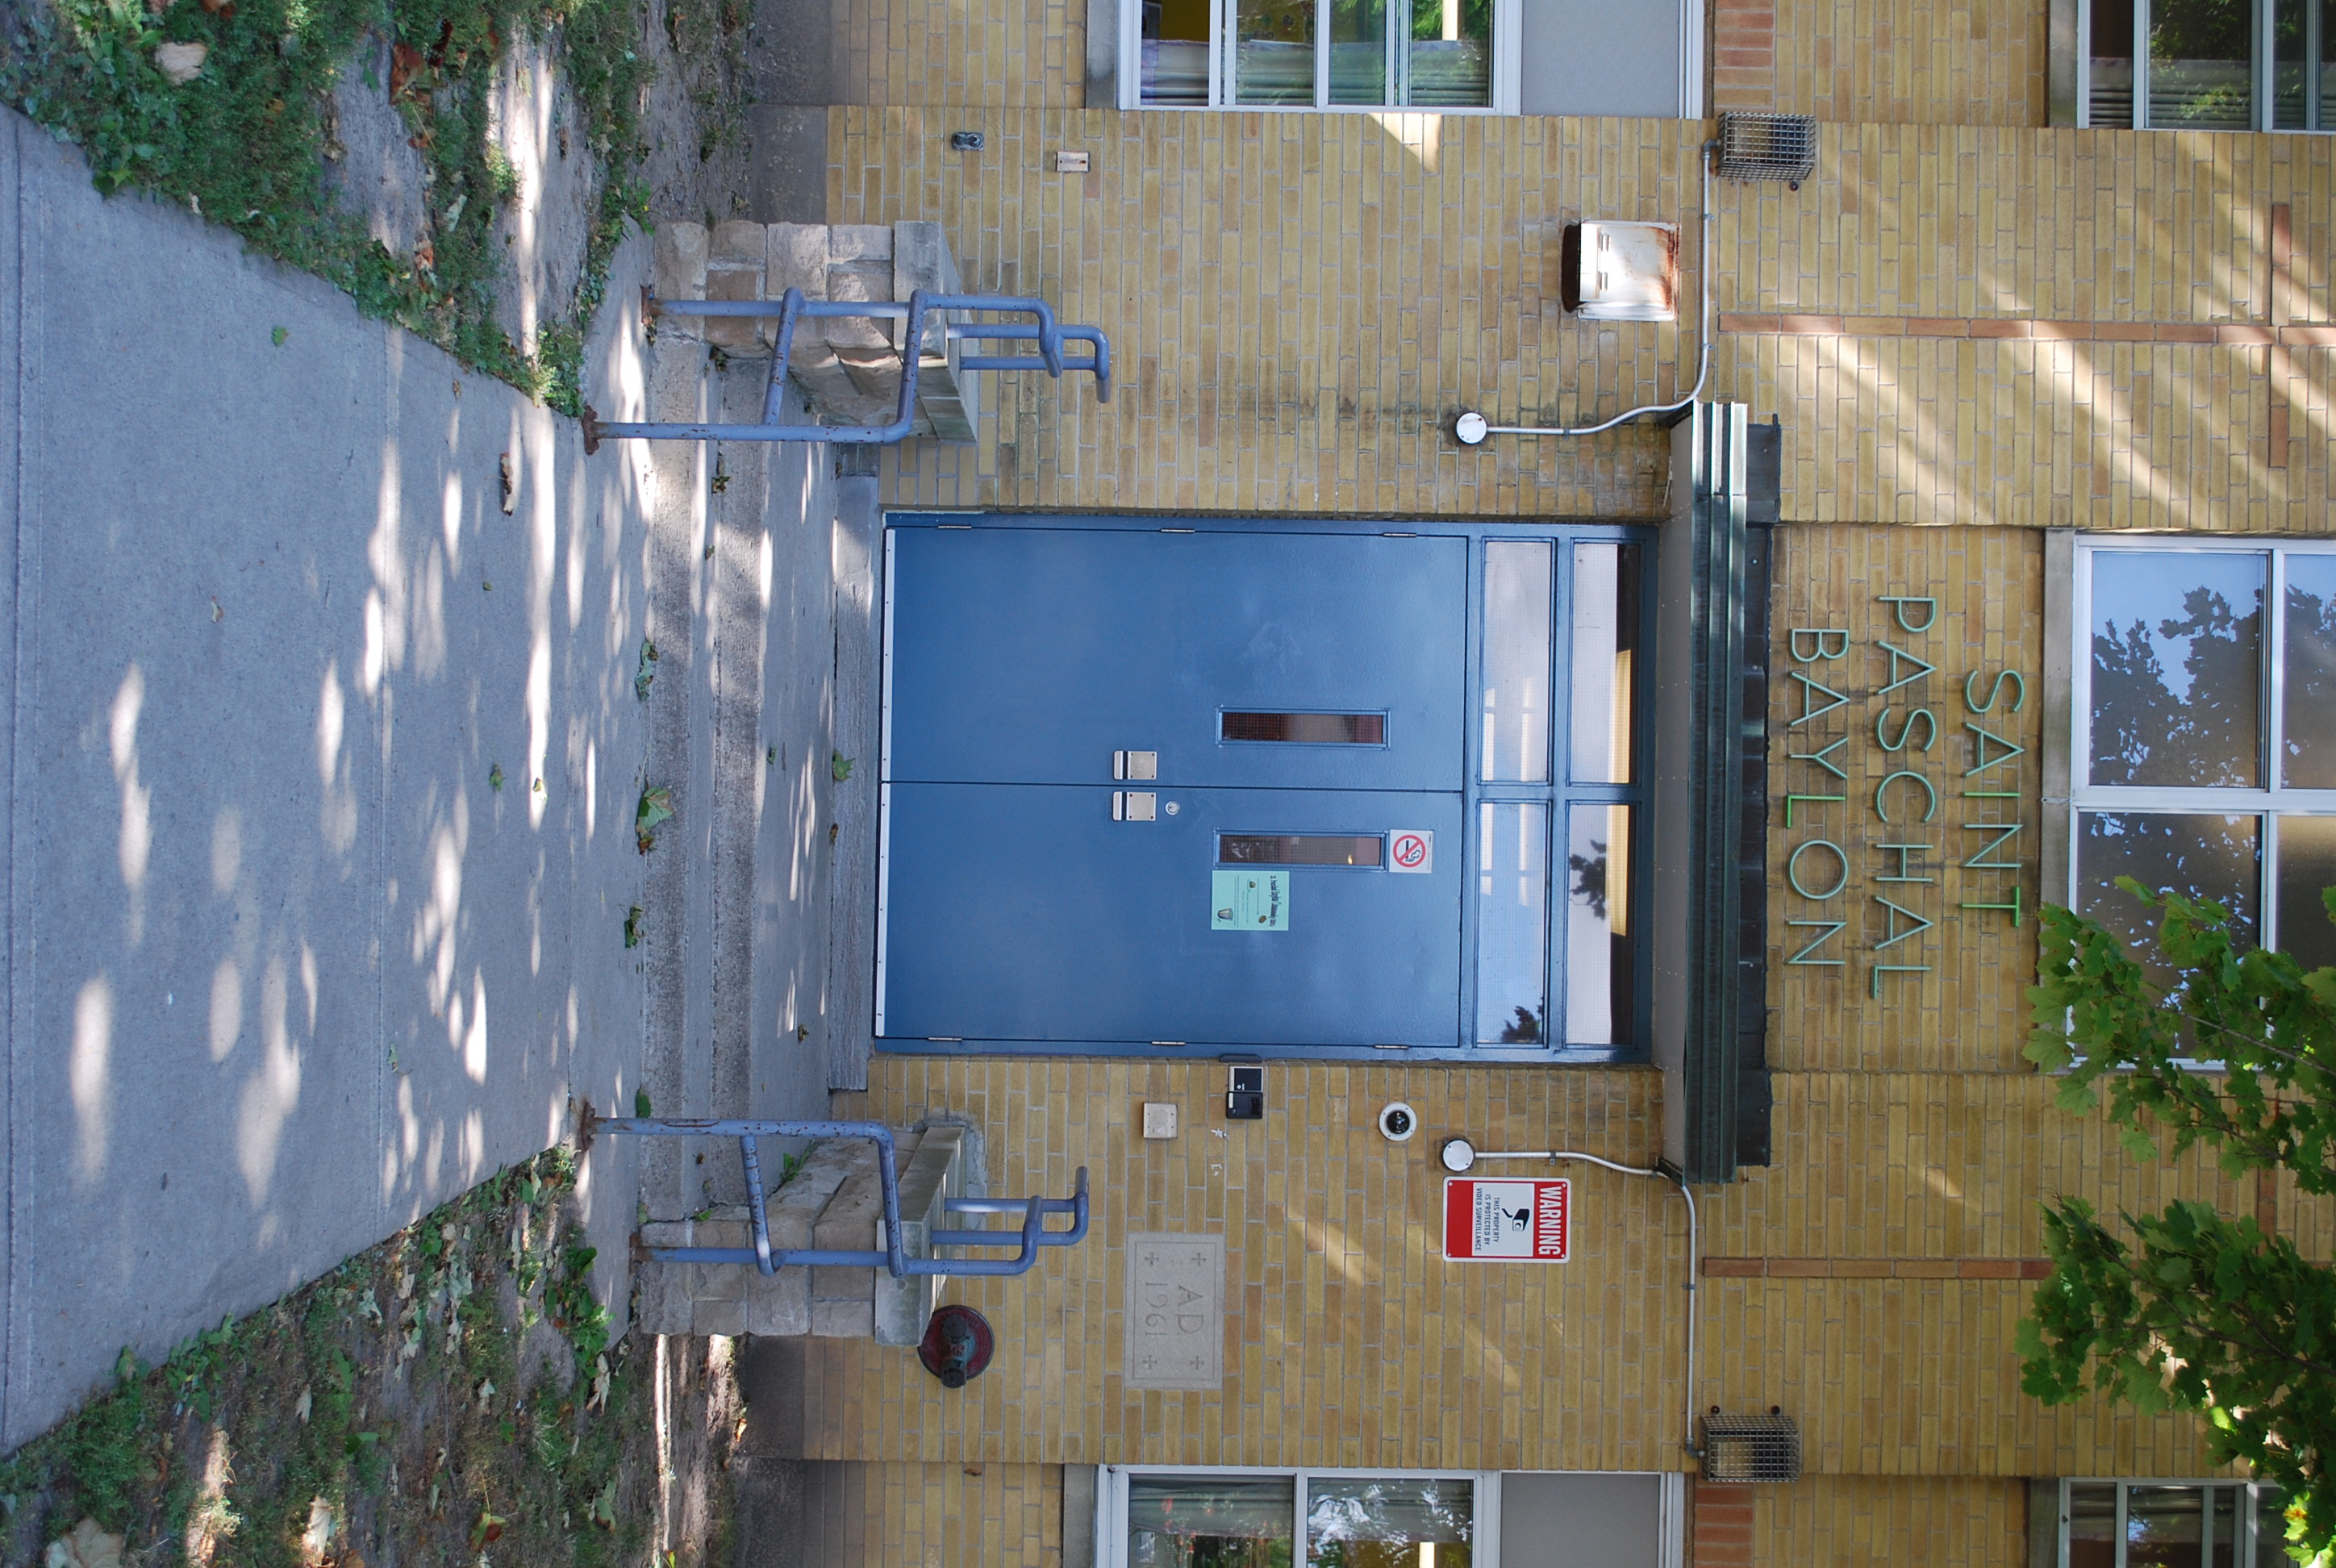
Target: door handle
[
  {"x": 1134, "y": 806},
  {"x": 1139, "y": 765}
]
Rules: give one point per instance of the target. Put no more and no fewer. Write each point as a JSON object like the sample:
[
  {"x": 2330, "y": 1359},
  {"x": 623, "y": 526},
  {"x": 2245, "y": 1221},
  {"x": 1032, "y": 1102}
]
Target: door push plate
[
  {"x": 1135, "y": 805},
  {"x": 1139, "y": 765}
]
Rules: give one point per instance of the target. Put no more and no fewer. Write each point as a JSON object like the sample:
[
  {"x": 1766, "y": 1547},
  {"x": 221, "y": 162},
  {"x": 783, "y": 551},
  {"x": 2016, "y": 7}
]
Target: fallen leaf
[
  {"x": 217, "y": 614},
  {"x": 833, "y": 829},
  {"x": 511, "y": 490},
  {"x": 303, "y": 1404},
  {"x": 539, "y": 786},
  {"x": 633, "y": 927},
  {"x": 490, "y": 1528},
  {"x": 91, "y": 1548},
  {"x": 425, "y": 257},
  {"x": 278, "y": 336},
  {"x": 840, "y": 766},
  {"x": 495, "y": 777},
  {"x": 657, "y": 805},
  {"x": 486, "y": 585},
  {"x": 404, "y": 60},
  {"x": 181, "y": 62}
]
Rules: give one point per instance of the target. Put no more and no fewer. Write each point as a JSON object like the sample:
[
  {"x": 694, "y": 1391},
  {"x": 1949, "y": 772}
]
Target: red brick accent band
[
  {"x": 1876, "y": 1268},
  {"x": 1744, "y": 54},
  {"x": 2226, "y": 334},
  {"x": 1721, "y": 1521}
]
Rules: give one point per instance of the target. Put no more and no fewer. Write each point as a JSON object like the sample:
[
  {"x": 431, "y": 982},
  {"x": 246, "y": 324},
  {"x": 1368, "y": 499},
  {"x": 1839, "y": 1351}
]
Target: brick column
[
  {"x": 1719, "y": 1525},
  {"x": 1744, "y": 54}
]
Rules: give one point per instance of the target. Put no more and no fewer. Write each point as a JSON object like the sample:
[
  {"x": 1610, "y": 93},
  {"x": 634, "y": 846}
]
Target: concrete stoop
[
  {"x": 833, "y": 1201},
  {"x": 848, "y": 369}
]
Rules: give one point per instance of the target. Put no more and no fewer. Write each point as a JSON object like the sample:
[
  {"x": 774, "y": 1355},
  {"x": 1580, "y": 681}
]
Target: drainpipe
[
  {"x": 1472, "y": 429},
  {"x": 1458, "y": 1154}
]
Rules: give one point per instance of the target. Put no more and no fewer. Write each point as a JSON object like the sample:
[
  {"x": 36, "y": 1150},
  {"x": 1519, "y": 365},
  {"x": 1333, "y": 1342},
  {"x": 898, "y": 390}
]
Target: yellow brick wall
[
  {"x": 1941, "y": 1523},
  {"x": 1970, "y": 1013},
  {"x": 1905, "y": 61},
  {"x": 1009, "y": 53},
  {"x": 947, "y": 1515},
  {"x": 1300, "y": 304},
  {"x": 1349, "y": 1342}
]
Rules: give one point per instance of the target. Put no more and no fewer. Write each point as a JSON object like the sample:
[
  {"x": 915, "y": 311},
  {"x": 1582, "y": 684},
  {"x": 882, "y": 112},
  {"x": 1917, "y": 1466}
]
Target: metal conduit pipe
[
  {"x": 1458, "y": 1154},
  {"x": 1472, "y": 429}
]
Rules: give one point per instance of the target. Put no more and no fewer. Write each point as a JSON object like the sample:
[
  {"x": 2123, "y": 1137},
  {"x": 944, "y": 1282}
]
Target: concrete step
[{"x": 834, "y": 1200}]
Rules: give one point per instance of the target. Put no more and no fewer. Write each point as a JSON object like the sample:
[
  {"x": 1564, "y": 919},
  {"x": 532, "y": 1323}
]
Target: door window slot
[
  {"x": 1363, "y": 850},
  {"x": 1305, "y": 728}
]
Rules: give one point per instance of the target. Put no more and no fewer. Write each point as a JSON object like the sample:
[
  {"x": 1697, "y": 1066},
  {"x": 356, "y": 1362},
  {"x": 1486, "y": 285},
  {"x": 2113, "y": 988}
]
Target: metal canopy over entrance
[{"x": 1287, "y": 787}]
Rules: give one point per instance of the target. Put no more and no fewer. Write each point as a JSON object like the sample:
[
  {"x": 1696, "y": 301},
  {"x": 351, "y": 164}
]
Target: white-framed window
[
  {"x": 2207, "y": 64},
  {"x": 2203, "y": 751},
  {"x": 1172, "y": 1516},
  {"x": 2171, "y": 1524},
  {"x": 1440, "y": 55}
]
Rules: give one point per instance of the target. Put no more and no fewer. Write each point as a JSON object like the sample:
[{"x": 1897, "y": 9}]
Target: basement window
[
  {"x": 1431, "y": 54},
  {"x": 2171, "y": 1524},
  {"x": 2207, "y": 64}
]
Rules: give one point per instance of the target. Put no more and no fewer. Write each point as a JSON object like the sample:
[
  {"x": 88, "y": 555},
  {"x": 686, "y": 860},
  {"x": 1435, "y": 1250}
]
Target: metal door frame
[{"x": 1560, "y": 793}]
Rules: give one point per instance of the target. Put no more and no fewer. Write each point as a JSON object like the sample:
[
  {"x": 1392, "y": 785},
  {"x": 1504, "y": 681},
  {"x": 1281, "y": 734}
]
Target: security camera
[{"x": 1397, "y": 1121}]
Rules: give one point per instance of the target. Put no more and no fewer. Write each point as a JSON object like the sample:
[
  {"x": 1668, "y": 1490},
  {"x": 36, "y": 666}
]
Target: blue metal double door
[{"x": 1144, "y": 786}]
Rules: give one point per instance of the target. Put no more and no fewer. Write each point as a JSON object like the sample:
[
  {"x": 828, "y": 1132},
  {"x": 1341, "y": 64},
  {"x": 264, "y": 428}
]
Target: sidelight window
[
  {"x": 2171, "y": 1524},
  {"x": 2203, "y": 756},
  {"x": 1297, "y": 1519},
  {"x": 1558, "y": 782},
  {"x": 1434, "y": 54},
  {"x": 2208, "y": 64}
]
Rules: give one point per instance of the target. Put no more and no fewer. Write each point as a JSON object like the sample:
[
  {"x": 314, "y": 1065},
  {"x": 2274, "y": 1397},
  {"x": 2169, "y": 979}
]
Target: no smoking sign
[{"x": 1411, "y": 850}]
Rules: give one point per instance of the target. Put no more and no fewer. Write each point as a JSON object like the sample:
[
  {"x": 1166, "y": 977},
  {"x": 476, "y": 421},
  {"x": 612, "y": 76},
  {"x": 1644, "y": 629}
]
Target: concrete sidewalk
[{"x": 284, "y": 968}]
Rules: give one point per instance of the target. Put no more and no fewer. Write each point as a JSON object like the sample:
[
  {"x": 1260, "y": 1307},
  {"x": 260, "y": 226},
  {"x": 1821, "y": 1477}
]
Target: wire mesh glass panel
[
  {"x": 1517, "y": 674},
  {"x": 1374, "y": 1523},
  {"x": 2309, "y": 674},
  {"x": 1602, "y": 698},
  {"x": 2307, "y": 867},
  {"x": 2110, "y": 102},
  {"x": 1211, "y": 1522},
  {"x": 1601, "y": 976},
  {"x": 1359, "y": 51},
  {"x": 1450, "y": 64},
  {"x": 2176, "y": 667},
  {"x": 1175, "y": 51},
  {"x": 1512, "y": 927},
  {"x": 1274, "y": 52},
  {"x": 2201, "y": 66}
]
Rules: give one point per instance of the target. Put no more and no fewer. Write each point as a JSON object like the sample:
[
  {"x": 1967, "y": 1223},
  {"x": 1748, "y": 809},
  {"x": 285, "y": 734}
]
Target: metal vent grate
[
  {"x": 1751, "y": 1447},
  {"x": 1768, "y": 147}
]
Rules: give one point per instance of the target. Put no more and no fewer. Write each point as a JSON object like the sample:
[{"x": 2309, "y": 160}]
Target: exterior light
[{"x": 1471, "y": 428}]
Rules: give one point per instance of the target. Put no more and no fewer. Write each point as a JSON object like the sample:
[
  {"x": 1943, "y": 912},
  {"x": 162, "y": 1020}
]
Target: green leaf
[
  {"x": 641, "y": 1103},
  {"x": 278, "y": 336},
  {"x": 840, "y": 766}
]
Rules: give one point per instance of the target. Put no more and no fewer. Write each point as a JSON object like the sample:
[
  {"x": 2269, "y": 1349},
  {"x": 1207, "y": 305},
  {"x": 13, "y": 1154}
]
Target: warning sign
[
  {"x": 1505, "y": 1220},
  {"x": 1411, "y": 850}
]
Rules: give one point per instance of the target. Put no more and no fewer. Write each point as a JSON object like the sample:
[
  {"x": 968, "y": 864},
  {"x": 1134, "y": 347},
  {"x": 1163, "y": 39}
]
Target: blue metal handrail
[
  {"x": 894, "y": 1259},
  {"x": 793, "y": 306}
]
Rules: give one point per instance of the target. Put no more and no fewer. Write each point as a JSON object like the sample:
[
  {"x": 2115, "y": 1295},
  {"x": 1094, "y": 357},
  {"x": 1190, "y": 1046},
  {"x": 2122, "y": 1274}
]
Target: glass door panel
[
  {"x": 2092, "y": 1526},
  {"x": 2111, "y": 97},
  {"x": 1176, "y": 52},
  {"x": 2201, "y": 71},
  {"x": 1374, "y": 1523},
  {"x": 2309, "y": 675},
  {"x": 1601, "y": 976},
  {"x": 1604, "y": 683},
  {"x": 1450, "y": 61},
  {"x": 1359, "y": 51},
  {"x": 1511, "y": 923},
  {"x": 1516, "y": 678},
  {"x": 2307, "y": 864},
  {"x": 1274, "y": 52},
  {"x": 2164, "y": 1527},
  {"x": 1211, "y": 1521}
]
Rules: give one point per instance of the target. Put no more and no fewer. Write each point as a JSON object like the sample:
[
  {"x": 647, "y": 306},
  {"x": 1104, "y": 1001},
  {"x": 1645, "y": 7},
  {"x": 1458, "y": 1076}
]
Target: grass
[
  {"x": 245, "y": 141},
  {"x": 449, "y": 1396}
]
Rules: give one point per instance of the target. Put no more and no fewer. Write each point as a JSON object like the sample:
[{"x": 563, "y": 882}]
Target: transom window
[
  {"x": 1299, "y": 1519},
  {"x": 2208, "y": 64},
  {"x": 2205, "y": 754},
  {"x": 1433, "y": 54},
  {"x": 2171, "y": 1524}
]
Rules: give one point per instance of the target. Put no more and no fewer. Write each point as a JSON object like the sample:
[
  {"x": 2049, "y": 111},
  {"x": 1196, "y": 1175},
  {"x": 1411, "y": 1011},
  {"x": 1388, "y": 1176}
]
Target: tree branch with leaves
[{"x": 2231, "y": 1048}]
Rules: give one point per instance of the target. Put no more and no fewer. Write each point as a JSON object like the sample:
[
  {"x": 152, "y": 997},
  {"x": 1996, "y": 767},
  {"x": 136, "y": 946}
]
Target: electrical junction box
[
  {"x": 1245, "y": 1095},
  {"x": 1620, "y": 271}
]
